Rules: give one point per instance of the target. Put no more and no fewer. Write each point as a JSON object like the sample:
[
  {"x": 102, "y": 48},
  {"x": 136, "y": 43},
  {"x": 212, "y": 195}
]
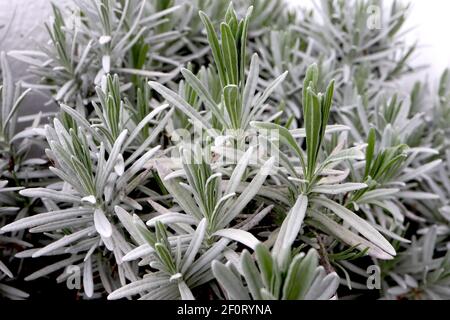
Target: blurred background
[{"x": 428, "y": 18}]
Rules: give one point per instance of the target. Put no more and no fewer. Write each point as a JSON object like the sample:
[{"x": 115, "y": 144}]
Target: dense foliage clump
[{"x": 217, "y": 150}]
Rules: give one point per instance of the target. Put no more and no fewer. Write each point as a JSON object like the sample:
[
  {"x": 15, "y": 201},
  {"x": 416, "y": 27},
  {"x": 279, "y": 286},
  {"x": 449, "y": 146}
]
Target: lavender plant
[{"x": 216, "y": 150}]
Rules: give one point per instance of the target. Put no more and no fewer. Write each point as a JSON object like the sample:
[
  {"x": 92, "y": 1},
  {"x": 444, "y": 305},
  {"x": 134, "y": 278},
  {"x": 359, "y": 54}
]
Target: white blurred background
[
  {"x": 431, "y": 18},
  {"x": 433, "y": 33}
]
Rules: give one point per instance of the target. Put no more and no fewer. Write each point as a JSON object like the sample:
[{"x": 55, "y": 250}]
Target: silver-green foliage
[{"x": 311, "y": 164}]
